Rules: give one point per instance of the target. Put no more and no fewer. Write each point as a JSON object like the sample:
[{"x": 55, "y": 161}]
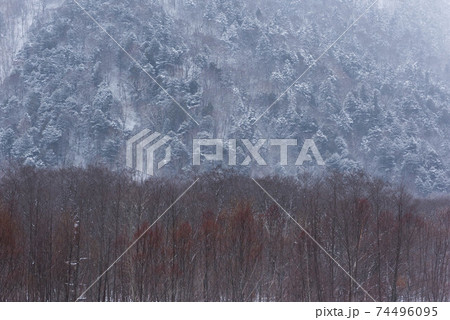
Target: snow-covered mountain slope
[
  {"x": 377, "y": 100},
  {"x": 16, "y": 18}
]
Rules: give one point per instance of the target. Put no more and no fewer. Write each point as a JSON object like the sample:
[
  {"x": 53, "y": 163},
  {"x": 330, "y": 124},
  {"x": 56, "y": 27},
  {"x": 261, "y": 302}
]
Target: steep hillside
[
  {"x": 378, "y": 99},
  {"x": 16, "y": 18}
]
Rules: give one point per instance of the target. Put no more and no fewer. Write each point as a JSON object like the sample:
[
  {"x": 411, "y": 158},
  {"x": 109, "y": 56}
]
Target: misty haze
[{"x": 224, "y": 150}]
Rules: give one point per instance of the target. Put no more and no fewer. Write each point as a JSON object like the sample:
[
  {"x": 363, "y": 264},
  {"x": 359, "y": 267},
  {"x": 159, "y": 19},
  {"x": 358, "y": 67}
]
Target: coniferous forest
[{"x": 365, "y": 82}]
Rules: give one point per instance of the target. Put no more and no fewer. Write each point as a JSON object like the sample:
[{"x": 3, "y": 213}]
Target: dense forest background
[
  {"x": 378, "y": 100},
  {"x": 224, "y": 240},
  {"x": 377, "y": 105}
]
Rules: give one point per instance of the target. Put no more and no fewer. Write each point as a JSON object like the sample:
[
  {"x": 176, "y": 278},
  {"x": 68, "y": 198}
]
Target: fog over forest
[
  {"x": 378, "y": 100},
  {"x": 92, "y": 92}
]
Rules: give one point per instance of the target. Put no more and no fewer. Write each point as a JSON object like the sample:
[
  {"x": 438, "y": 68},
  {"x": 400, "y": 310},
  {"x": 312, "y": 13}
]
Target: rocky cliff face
[{"x": 16, "y": 19}]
